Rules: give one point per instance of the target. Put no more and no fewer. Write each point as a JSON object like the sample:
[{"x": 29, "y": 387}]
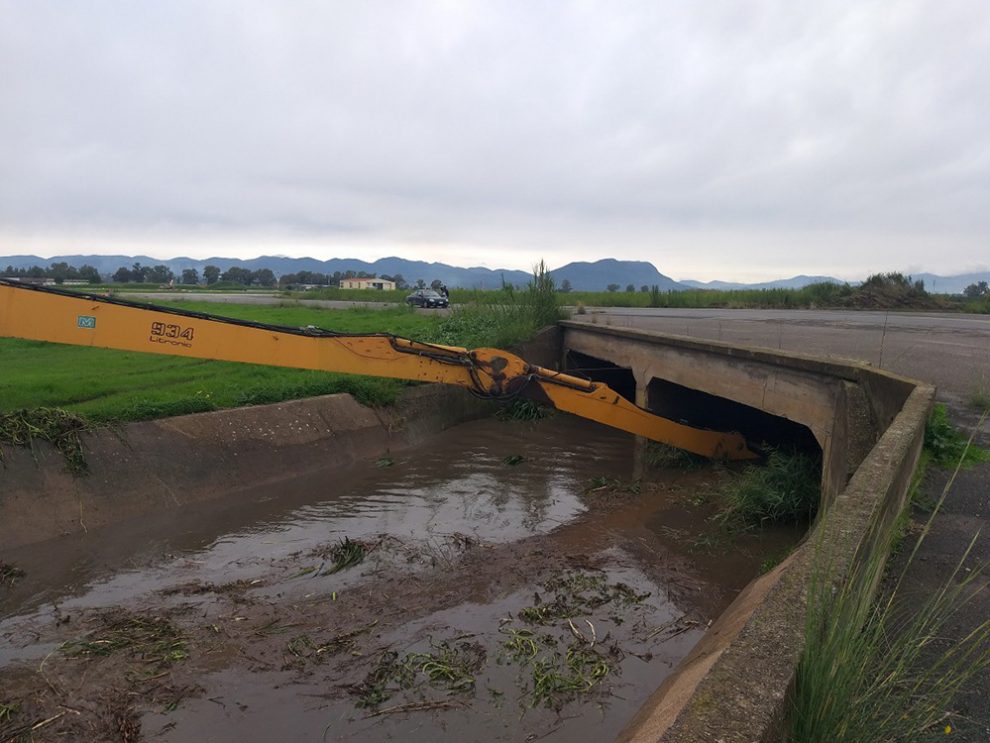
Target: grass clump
[
  {"x": 343, "y": 554},
  {"x": 504, "y": 318},
  {"x": 665, "y": 456},
  {"x": 523, "y": 410},
  {"x": 153, "y": 640},
  {"x": 9, "y": 574},
  {"x": 884, "y": 670},
  {"x": 56, "y": 426},
  {"x": 783, "y": 490},
  {"x": 979, "y": 399},
  {"x": 946, "y": 445}
]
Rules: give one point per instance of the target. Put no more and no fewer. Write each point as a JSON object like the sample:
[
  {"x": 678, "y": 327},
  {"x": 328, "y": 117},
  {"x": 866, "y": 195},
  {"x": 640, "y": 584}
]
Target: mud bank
[{"x": 167, "y": 464}]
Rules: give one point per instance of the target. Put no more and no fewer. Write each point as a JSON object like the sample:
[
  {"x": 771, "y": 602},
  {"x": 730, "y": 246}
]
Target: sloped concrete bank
[{"x": 169, "y": 463}]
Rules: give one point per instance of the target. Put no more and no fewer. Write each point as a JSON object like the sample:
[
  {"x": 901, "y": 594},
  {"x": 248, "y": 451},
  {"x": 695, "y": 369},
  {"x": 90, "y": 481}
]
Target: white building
[{"x": 381, "y": 284}]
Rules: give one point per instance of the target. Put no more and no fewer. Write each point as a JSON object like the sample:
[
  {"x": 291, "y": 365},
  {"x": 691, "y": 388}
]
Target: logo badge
[{"x": 86, "y": 321}]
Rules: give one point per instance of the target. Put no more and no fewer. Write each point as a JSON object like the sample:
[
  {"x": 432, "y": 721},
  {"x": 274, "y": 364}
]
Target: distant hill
[
  {"x": 472, "y": 278},
  {"x": 795, "y": 282},
  {"x": 598, "y": 275},
  {"x": 951, "y": 284},
  {"x": 583, "y": 276}
]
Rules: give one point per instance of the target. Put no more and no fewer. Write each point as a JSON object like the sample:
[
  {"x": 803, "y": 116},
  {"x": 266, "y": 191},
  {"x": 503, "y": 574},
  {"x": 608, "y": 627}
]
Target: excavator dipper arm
[{"x": 57, "y": 316}]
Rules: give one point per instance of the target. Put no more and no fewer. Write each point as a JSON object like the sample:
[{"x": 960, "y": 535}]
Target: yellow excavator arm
[{"x": 57, "y": 316}]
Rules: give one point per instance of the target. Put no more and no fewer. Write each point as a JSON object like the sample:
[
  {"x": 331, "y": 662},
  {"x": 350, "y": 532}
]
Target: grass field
[{"x": 108, "y": 385}]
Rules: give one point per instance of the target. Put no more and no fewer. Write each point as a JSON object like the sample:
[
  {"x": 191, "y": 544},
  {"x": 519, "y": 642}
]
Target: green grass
[
  {"x": 946, "y": 445},
  {"x": 885, "y": 670},
  {"x": 785, "y": 489},
  {"x": 110, "y": 386},
  {"x": 107, "y": 386}
]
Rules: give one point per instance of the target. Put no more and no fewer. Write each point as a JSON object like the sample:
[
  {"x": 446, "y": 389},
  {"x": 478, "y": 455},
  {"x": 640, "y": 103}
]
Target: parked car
[{"x": 427, "y": 298}]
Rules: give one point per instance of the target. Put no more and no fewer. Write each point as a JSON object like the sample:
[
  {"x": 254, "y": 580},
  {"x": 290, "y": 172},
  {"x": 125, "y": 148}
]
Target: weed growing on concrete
[
  {"x": 882, "y": 670},
  {"x": 784, "y": 490},
  {"x": 979, "y": 399},
  {"x": 54, "y": 425},
  {"x": 948, "y": 446}
]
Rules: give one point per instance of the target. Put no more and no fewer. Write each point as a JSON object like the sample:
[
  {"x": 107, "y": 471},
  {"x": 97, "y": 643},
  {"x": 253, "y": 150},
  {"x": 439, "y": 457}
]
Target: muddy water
[{"x": 466, "y": 538}]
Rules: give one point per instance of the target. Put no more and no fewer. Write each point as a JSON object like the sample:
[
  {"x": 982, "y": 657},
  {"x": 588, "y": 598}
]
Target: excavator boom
[{"x": 44, "y": 314}]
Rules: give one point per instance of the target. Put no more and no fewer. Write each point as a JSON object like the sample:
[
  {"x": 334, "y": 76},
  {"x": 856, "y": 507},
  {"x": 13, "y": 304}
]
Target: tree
[
  {"x": 565, "y": 286},
  {"x": 979, "y": 289},
  {"x": 630, "y": 287},
  {"x": 122, "y": 275},
  {"x": 400, "y": 282},
  {"x": 90, "y": 274},
  {"x": 211, "y": 274},
  {"x": 420, "y": 284},
  {"x": 263, "y": 277},
  {"x": 189, "y": 276},
  {"x": 613, "y": 287},
  {"x": 237, "y": 275},
  {"x": 436, "y": 284},
  {"x": 644, "y": 288},
  {"x": 159, "y": 274}
]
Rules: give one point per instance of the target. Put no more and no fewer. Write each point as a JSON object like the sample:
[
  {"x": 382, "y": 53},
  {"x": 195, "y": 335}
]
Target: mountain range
[{"x": 582, "y": 276}]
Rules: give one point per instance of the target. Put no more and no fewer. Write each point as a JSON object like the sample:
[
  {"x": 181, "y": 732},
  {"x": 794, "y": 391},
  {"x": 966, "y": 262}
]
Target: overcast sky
[{"x": 731, "y": 140}]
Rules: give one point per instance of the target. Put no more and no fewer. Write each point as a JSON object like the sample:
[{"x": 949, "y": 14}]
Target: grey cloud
[{"x": 609, "y": 127}]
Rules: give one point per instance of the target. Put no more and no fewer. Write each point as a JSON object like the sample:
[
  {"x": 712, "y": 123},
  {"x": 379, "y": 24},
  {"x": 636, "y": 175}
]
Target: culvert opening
[
  {"x": 704, "y": 410},
  {"x": 619, "y": 378}
]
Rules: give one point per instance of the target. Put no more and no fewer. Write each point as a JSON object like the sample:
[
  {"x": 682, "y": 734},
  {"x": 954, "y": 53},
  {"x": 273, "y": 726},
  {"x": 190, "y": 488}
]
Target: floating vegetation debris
[
  {"x": 561, "y": 676},
  {"x": 384, "y": 462},
  {"x": 154, "y": 640},
  {"x": 555, "y": 676},
  {"x": 578, "y": 593},
  {"x": 7, "y": 712},
  {"x": 57, "y": 426},
  {"x": 9, "y": 574},
  {"x": 513, "y": 459},
  {"x": 451, "y": 667},
  {"x": 523, "y": 410},
  {"x": 303, "y": 646}
]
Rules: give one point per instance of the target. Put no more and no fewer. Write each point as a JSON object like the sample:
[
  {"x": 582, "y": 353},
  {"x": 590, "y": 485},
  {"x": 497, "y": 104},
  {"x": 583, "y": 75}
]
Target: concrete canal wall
[
  {"x": 169, "y": 463},
  {"x": 734, "y": 684}
]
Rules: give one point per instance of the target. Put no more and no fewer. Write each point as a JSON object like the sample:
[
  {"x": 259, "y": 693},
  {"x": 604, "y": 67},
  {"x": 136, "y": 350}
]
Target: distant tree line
[
  {"x": 59, "y": 272},
  {"x": 314, "y": 278}
]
